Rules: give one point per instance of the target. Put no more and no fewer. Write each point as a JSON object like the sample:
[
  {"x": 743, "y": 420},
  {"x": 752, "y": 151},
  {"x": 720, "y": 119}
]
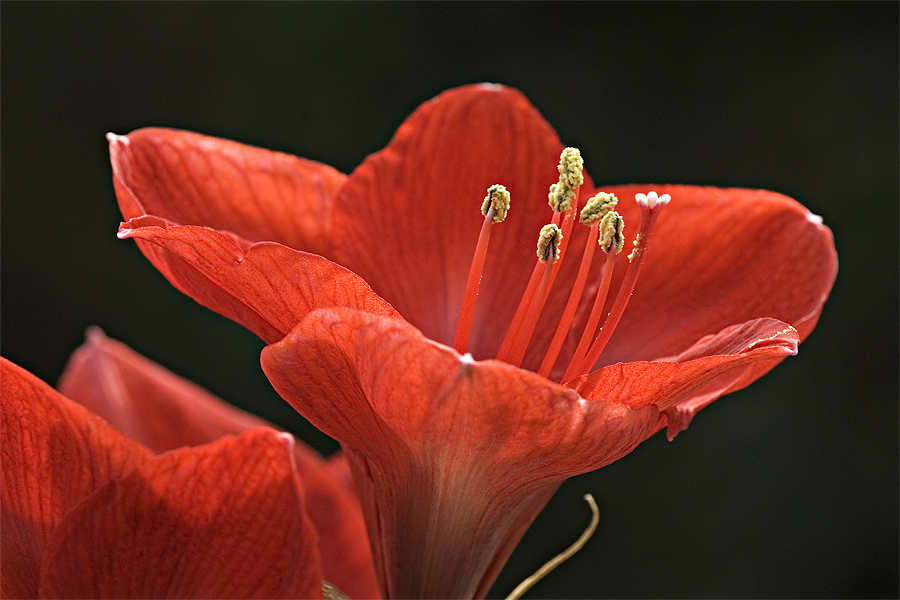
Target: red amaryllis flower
[
  {"x": 89, "y": 512},
  {"x": 364, "y": 287}
]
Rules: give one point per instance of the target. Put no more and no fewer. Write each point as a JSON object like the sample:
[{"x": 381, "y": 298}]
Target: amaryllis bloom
[
  {"x": 90, "y": 512},
  {"x": 462, "y": 407}
]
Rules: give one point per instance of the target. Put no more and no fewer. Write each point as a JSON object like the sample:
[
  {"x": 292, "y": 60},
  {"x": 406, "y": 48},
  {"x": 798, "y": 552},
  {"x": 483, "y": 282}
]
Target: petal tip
[
  {"x": 287, "y": 439},
  {"x": 787, "y": 339},
  {"x": 114, "y": 139},
  {"x": 95, "y": 336},
  {"x": 814, "y": 218}
]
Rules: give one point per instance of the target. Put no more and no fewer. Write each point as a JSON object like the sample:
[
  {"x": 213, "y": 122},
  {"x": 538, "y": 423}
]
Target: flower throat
[{"x": 606, "y": 231}]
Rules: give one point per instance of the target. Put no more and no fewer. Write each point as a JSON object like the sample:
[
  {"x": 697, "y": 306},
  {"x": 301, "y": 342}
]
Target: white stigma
[{"x": 651, "y": 200}]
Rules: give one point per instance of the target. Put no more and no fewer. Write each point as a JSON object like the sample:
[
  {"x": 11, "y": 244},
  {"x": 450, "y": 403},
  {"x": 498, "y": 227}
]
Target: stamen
[
  {"x": 651, "y": 205},
  {"x": 562, "y": 194},
  {"x": 548, "y": 244},
  {"x": 548, "y": 253},
  {"x": 598, "y": 207},
  {"x": 571, "y": 306},
  {"x": 560, "y": 197},
  {"x": 497, "y": 199},
  {"x": 594, "y": 210},
  {"x": 612, "y": 225},
  {"x": 513, "y": 331},
  {"x": 612, "y": 233},
  {"x": 570, "y": 166},
  {"x": 494, "y": 209},
  {"x": 563, "y": 556}
]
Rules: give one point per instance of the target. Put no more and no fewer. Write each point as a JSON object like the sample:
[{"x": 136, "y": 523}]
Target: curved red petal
[
  {"x": 143, "y": 400},
  {"x": 54, "y": 454},
  {"x": 408, "y": 218},
  {"x": 720, "y": 257},
  {"x": 224, "y": 520},
  {"x": 195, "y": 179},
  {"x": 265, "y": 287},
  {"x": 673, "y": 385},
  {"x": 164, "y": 412},
  {"x": 453, "y": 458}
]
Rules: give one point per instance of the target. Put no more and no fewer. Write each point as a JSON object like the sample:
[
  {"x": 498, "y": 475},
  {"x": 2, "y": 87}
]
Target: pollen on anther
[
  {"x": 570, "y": 166},
  {"x": 597, "y": 208},
  {"x": 548, "y": 243},
  {"x": 612, "y": 233},
  {"x": 570, "y": 178},
  {"x": 498, "y": 198},
  {"x": 560, "y": 197}
]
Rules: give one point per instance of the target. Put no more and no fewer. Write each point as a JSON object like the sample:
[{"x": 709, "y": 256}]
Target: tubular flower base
[
  {"x": 357, "y": 283},
  {"x": 89, "y": 512}
]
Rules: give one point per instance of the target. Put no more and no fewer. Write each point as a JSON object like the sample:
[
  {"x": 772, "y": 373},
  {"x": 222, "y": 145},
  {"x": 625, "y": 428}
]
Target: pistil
[{"x": 494, "y": 209}]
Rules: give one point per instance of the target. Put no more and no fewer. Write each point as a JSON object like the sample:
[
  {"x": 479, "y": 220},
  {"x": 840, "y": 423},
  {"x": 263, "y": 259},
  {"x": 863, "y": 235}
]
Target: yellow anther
[
  {"x": 570, "y": 178},
  {"x": 560, "y": 197},
  {"x": 498, "y": 199},
  {"x": 570, "y": 166},
  {"x": 612, "y": 236},
  {"x": 548, "y": 243},
  {"x": 597, "y": 208}
]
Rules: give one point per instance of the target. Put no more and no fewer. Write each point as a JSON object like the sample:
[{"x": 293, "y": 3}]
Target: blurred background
[{"x": 786, "y": 489}]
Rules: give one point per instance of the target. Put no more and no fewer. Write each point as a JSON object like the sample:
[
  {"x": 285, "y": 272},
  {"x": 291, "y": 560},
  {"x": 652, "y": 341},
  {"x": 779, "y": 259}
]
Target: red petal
[
  {"x": 223, "y": 520},
  {"x": 720, "y": 257},
  {"x": 408, "y": 218},
  {"x": 671, "y": 385},
  {"x": 164, "y": 412},
  {"x": 266, "y": 287},
  {"x": 193, "y": 179},
  {"x": 145, "y": 401},
  {"x": 55, "y": 454},
  {"x": 453, "y": 459}
]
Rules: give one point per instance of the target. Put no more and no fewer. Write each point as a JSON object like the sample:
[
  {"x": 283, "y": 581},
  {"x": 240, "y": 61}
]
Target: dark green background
[{"x": 786, "y": 489}]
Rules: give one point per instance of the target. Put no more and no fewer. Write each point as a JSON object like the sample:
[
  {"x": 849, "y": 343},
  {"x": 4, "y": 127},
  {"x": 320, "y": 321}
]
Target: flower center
[{"x": 606, "y": 231}]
